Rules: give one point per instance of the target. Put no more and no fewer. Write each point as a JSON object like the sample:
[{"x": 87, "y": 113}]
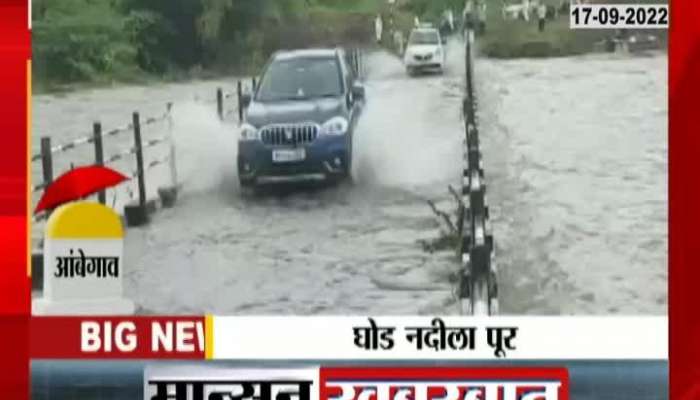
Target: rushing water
[
  {"x": 575, "y": 157},
  {"x": 576, "y": 150}
]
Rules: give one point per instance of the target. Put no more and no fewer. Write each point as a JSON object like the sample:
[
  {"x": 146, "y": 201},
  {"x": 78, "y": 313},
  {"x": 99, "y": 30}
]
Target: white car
[{"x": 425, "y": 50}]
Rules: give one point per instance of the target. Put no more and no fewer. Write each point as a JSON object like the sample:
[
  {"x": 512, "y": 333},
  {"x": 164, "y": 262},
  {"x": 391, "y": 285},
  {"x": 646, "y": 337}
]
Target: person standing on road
[
  {"x": 525, "y": 12},
  {"x": 451, "y": 19},
  {"x": 398, "y": 42},
  {"x": 482, "y": 17},
  {"x": 444, "y": 27},
  {"x": 541, "y": 15},
  {"x": 378, "y": 27},
  {"x": 467, "y": 15}
]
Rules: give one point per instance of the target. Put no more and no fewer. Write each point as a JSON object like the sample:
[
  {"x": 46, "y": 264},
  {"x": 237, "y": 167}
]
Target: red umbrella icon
[{"x": 78, "y": 183}]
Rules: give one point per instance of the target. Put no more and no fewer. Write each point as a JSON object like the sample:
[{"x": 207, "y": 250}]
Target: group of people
[
  {"x": 473, "y": 18},
  {"x": 538, "y": 8},
  {"x": 446, "y": 26},
  {"x": 395, "y": 34},
  {"x": 474, "y": 15}
]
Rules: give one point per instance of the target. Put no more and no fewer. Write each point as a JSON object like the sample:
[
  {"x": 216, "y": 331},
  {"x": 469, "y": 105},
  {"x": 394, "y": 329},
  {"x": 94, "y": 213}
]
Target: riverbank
[
  {"x": 136, "y": 78},
  {"x": 518, "y": 38}
]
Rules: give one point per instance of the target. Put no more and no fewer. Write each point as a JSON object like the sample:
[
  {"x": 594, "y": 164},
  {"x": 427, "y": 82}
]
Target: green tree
[
  {"x": 79, "y": 39},
  {"x": 165, "y": 32}
]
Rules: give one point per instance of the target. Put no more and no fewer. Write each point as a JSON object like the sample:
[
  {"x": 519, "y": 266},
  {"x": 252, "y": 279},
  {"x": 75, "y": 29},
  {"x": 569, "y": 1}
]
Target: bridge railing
[
  {"x": 135, "y": 213},
  {"x": 478, "y": 289}
]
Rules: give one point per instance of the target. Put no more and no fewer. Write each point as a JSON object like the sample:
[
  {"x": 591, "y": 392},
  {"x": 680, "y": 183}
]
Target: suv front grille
[
  {"x": 423, "y": 57},
  {"x": 289, "y": 134}
]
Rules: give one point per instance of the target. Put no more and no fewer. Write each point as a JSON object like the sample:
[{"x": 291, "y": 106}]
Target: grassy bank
[
  {"x": 519, "y": 38},
  {"x": 122, "y": 77},
  {"x": 358, "y": 6}
]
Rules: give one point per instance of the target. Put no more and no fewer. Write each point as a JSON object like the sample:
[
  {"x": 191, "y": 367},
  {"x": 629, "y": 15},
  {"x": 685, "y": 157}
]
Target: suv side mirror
[
  {"x": 246, "y": 98},
  {"x": 358, "y": 91}
]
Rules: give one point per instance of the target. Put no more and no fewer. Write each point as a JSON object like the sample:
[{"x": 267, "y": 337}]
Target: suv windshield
[
  {"x": 424, "y": 37},
  {"x": 301, "y": 78}
]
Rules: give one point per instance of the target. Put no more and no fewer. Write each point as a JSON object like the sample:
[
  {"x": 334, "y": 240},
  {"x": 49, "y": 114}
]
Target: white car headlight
[
  {"x": 335, "y": 126},
  {"x": 249, "y": 132}
]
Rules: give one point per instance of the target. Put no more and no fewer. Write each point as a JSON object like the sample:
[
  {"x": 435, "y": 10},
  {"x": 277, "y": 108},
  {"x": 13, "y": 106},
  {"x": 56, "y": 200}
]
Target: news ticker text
[
  {"x": 348, "y": 338},
  {"x": 438, "y": 336}
]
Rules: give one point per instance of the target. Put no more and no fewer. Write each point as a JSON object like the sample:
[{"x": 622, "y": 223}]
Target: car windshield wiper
[{"x": 284, "y": 98}]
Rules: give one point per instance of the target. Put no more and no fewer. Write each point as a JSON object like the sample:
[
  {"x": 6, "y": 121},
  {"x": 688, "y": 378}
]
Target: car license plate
[{"x": 288, "y": 155}]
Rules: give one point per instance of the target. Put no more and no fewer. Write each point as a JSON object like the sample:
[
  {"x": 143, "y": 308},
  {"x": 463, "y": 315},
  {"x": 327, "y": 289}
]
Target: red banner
[
  {"x": 117, "y": 338},
  {"x": 443, "y": 383},
  {"x": 15, "y": 51},
  {"x": 684, "y": 200}
]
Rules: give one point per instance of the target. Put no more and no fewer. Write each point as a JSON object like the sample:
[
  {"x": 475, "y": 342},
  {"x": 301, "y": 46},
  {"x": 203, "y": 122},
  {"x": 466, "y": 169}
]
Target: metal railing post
[
  {"x": 220, "y": 103},
  {"x": 173, "y": 162},
  {"x": 46, "y": 165},
  {"x": 99, "y": 155},
  {"x": 46, "y": 160},
  {"x": 139, "y": 159},
  {"x": 239, "y": 92}
]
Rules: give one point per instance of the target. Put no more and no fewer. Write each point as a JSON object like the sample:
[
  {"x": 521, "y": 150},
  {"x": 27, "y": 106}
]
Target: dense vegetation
[
  {"x": 99, "y": 41},
  {"x": 86, "y": 40},
  {"x": 102, "y": 41}
]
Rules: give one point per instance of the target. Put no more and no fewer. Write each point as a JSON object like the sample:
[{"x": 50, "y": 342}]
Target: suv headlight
[
  {"x": 335, "y": 126},
  {"x": 249, "y": 132}
]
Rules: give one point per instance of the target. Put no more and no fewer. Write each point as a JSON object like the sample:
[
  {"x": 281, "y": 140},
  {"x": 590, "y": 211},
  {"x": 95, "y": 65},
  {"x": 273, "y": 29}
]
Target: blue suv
[{"x": 299, "y": 123}]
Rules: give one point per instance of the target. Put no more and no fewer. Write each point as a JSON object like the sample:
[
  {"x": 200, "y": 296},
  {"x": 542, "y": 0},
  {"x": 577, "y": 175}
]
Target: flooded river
[
  {"x": 576, "y": 149},
  {"x": 575, "y": 157}
]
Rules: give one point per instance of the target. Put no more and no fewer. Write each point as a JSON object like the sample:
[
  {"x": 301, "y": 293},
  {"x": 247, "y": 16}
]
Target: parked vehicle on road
[
  {"x": 424, "y": 51},
  {"x": 300, "y": 121}
]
